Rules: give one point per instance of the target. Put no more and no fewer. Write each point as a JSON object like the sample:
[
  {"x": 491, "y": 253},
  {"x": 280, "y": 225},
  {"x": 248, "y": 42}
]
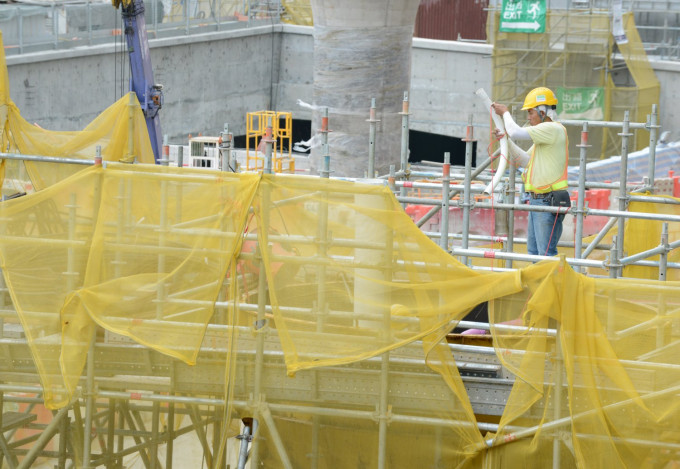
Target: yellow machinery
[{"x": 282, "y": 140}]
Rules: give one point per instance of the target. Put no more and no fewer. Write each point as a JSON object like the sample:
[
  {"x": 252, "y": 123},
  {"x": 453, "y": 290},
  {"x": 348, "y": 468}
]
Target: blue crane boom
[{"x": 149, "y": 94}]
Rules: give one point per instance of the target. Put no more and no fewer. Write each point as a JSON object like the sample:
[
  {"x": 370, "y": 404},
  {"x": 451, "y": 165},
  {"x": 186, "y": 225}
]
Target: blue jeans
[{"x": 544, "y": 230}]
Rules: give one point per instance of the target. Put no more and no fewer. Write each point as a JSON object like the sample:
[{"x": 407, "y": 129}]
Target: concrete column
[{"x": 362, "y": 50}]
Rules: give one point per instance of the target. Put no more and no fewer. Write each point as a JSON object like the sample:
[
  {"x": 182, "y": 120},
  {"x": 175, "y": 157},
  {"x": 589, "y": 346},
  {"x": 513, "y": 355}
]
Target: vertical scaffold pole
[
  {"x": 111, "y": 433},
  {"x": 391, "y": 179},
  {"x": 260, "y": 325},
  {"x": 321, "y": 301},
  {"x": 325, "y": 171},
  {"x": 661, "y": 303},
  {"x": 89, "y": 396},
  {"x": 403, "y": 169},
  {"x": 623, "y": 191},
  {"x": 165, "y": 161},
  {"x": 578, "y": 237},
  {"x": 653, "y": 129},
  {"x": 153, "y": 448},
  {"x": 446, "y": 184},
  {"x": 557, "y": 404},
  {"x": 372, "y": 125},
  {"x": 469, "y": 139},
  {"x": 226, "y": 145},
  {"x": 383, "y": 410},
  {"x": 180, "y": 156},
  {"x": 117, "y": 268},
  {"x": 663, "y": 256},
  {"x": 269, "y": 146},
  {"x": 131, "y": 125},
  {"x": 161, "y": 291}
]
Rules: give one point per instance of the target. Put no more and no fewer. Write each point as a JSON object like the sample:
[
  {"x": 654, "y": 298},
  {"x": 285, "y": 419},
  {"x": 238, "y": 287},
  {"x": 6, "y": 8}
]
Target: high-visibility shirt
[{"x": 547, "y": 168}]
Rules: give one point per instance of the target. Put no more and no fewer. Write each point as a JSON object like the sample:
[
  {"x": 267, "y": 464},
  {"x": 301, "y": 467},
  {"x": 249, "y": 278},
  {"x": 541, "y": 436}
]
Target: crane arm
[{"x": 149, "y": 94}]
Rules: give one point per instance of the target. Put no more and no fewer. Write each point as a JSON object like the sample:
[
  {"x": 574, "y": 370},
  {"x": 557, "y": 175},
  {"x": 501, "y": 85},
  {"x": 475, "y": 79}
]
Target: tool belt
[{"x": 557, "y": 198}]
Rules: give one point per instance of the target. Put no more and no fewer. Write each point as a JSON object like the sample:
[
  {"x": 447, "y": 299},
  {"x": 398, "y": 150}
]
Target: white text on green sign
[{"x": 523, "y": 16}]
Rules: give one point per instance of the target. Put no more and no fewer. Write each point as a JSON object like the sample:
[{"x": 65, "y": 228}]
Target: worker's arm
[
  {"x": 519, "y": 156},
  {"x": 516, "y": 154},
  {"x": 513, "y": 130}
]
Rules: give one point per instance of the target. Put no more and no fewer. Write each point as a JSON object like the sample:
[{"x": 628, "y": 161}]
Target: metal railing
[{"x": 40, "y": 26}]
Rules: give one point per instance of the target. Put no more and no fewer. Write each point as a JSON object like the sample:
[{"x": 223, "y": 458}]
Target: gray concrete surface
[
  {"x": 218, "y": 77},
  {"x": 361, "y": 51}
]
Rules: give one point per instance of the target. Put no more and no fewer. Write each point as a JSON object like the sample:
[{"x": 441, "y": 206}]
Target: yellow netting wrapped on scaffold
[
  {"x": 120, "y": 131},
  {"x": 149, "y": 259},
  {"x": 328, "y": 277},
  {"x": 597, "y": 373},
  {"x": 641, "y": 235}
]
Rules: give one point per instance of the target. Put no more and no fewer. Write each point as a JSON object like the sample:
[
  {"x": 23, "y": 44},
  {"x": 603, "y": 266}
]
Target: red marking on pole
[
  {"x": 490, "y": 254},
  {"x": 324, "y": 124},
  {"x": 135, "y": 395},
  {"x": 446, "y": 169},
  {"x": 408, "y": 184},
  {"x": 584, "y": 138}
]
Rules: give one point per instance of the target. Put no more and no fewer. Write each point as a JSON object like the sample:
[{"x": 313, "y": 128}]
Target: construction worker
[{"x": 545, "y": 177}]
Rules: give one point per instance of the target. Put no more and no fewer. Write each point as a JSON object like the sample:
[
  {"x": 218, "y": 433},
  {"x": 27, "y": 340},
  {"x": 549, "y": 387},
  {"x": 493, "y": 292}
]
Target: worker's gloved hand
[{"x": 498, "y": 134}]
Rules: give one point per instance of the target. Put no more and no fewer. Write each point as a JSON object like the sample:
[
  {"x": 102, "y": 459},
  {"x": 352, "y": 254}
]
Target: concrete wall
[
  {"x": 208, "y": 80},
  {"x": 215, "y": 78},
  {"x": 444, "y": 78}
]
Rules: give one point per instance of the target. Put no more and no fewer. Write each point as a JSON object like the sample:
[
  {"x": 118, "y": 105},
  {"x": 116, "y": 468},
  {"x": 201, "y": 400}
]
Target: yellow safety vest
[{"x": 547, "y": 168}]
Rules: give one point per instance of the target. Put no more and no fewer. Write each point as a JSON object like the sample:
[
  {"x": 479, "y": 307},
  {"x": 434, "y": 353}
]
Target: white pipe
[{"x": 498, "y": 121}]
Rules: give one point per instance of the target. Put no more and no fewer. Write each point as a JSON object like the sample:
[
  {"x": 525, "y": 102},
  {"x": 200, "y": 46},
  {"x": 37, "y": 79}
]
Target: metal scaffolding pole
[{"x": 578, "y": 236}]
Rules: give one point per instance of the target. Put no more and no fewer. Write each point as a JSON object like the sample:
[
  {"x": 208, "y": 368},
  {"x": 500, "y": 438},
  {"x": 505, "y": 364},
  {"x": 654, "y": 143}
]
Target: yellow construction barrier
[{"x": 280, "y": 124}]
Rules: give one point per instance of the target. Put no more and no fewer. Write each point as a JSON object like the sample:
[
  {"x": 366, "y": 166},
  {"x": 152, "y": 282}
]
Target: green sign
[
  {"x": 523, "y": 16},
  {"x": 580, "y": 103}
]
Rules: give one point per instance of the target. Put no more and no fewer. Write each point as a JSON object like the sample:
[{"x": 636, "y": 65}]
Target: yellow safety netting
[
  {"x": 143, "y": 251},
  {"x": 120, "y": 131},
  {"x": 616, "y": 353},
  {"x": 643, "y": 235}
]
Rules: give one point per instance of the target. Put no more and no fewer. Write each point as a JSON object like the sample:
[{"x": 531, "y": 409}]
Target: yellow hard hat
[{"x": 538, "y": 96}]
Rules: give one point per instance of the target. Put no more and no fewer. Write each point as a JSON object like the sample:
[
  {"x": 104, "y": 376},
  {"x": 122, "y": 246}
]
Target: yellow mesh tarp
[
  {"x": 643, "y": 235},
  {"x": 617, "y": 406},
  {"x": 119, "y": 130},
  {"x": 144, "y": 251}
]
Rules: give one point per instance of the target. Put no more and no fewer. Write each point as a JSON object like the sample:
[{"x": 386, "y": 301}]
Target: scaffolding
[
  {"x": 133, "y": 401},
  {"x": 578, "y": 58}
]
